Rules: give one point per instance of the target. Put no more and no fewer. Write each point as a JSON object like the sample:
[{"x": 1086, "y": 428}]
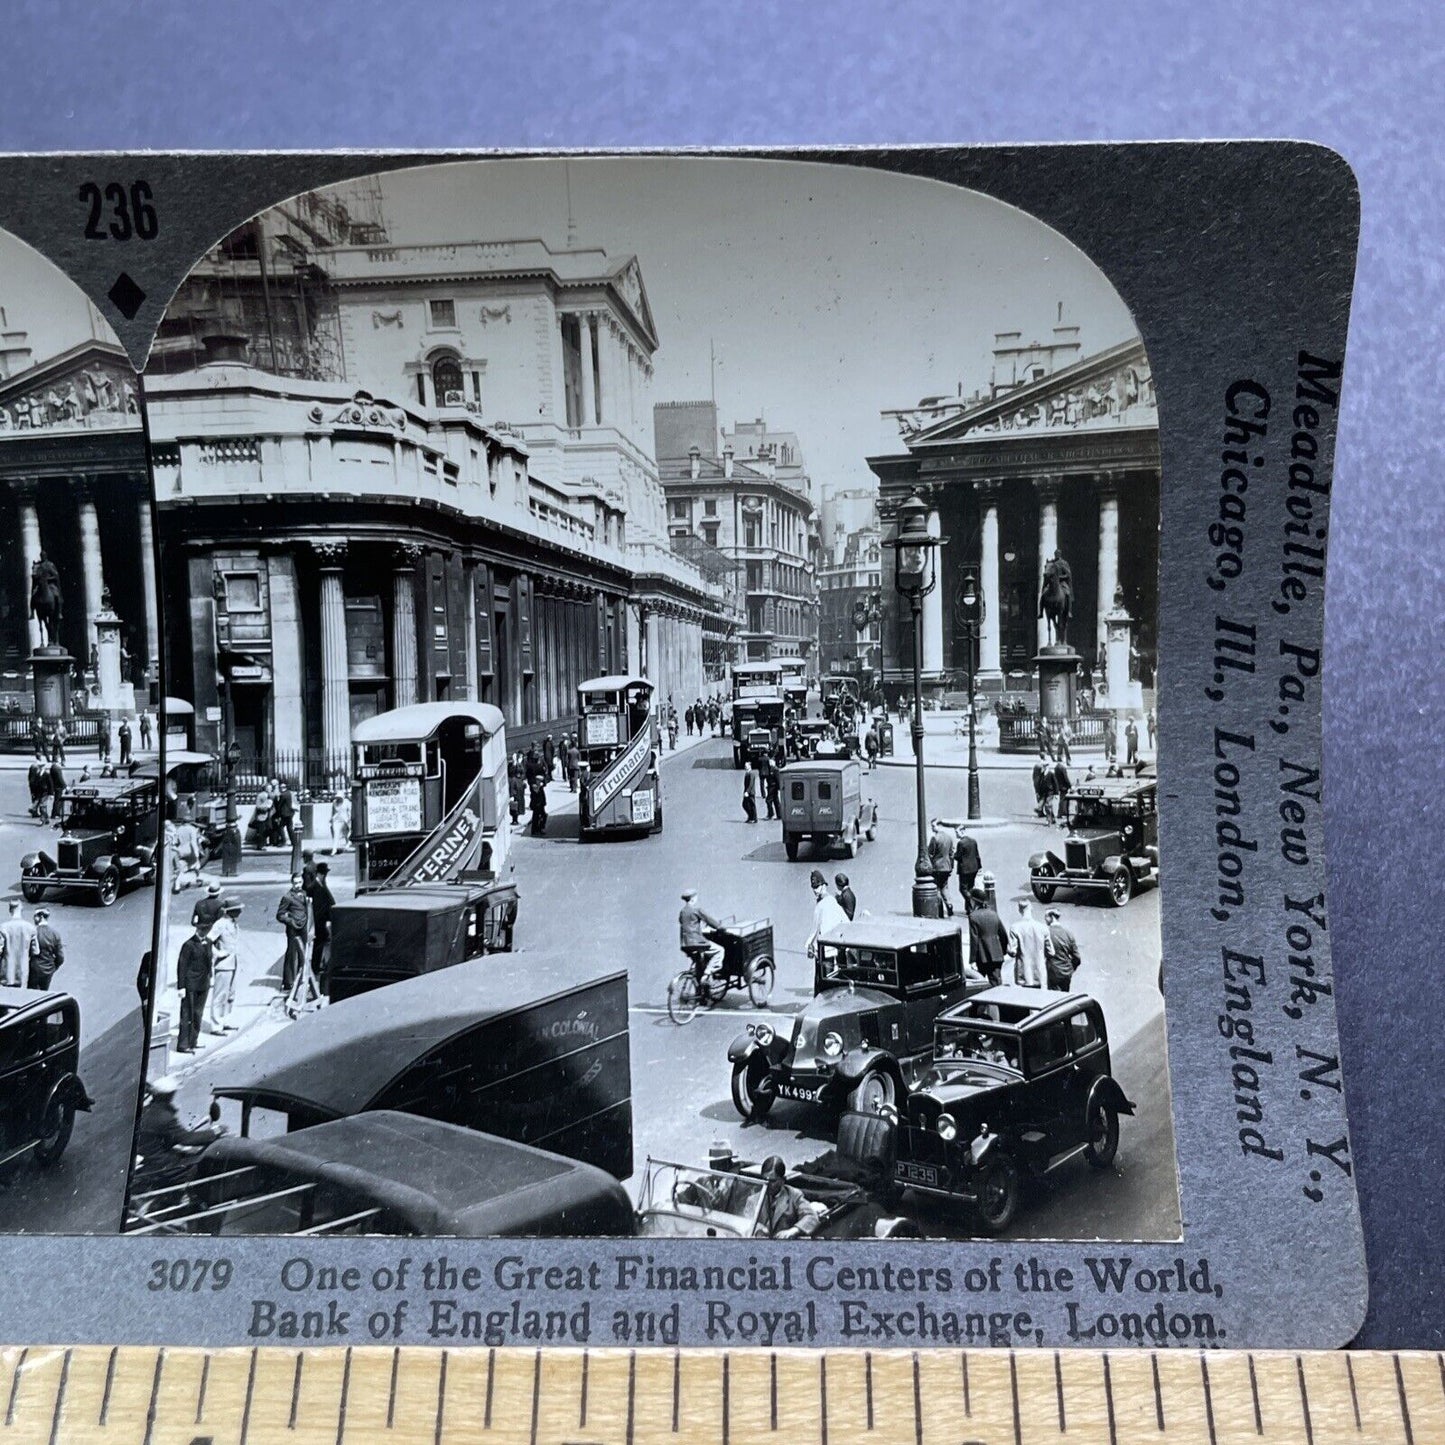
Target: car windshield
[
  {"x": 89, "y": 812},
  {"x": 844, "y": 963},
  {"x": 975, "y": 1043},
  {"x": 680, "y": 1200},
  {"x": 1095, "y": 811}
]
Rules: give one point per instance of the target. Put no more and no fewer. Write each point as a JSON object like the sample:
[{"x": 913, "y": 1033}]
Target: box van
[{"x": 823, "y": 801}]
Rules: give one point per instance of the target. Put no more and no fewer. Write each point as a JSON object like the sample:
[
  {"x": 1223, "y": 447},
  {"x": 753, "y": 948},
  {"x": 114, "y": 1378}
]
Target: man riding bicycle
[{"x": 691, "y": 939}]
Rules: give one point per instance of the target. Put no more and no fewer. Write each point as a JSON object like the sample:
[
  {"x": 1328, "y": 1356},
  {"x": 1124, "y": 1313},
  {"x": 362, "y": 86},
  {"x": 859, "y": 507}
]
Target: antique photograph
[
  {"x": 660, "y": 711},
  {"x": 80, "y": 740}
]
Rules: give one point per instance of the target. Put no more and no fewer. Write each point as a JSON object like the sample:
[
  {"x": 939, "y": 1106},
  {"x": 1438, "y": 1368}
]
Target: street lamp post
[
  {"x": 231, "y": 838},
  {"x": 915, "y": 575},
  {"x": 970, "y": 617}
]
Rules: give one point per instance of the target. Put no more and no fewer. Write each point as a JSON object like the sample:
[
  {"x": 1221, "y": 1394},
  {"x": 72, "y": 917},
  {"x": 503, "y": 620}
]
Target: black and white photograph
[
  {"x": 661, "y": 717},
  {"x": 80, "y": 741}
]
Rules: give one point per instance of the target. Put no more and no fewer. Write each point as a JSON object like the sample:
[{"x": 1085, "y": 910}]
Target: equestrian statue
[
  {"x": 1056, "y": 597},
  {"x": 46, "y": 600}
]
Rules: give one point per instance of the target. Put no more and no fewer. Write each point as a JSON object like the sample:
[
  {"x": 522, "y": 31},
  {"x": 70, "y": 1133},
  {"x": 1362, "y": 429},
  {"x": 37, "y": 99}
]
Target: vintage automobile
[
  {"x": 807, "y": 735},
  {"x": 823, "y": 803},
  {"x": 682, "y": 1201},
  {"x": 384, "y": 937},
  {"x": 1112, "y": 844},
  {"x": 386, "y": 1173},
  {"x": 40, "y": 1089},
  {"x": 107, "y": 841},
  {"x": 481, "y": 1044},
  {"x": 1019, "y": 1084},
  {"x": 879, "y": 984}
]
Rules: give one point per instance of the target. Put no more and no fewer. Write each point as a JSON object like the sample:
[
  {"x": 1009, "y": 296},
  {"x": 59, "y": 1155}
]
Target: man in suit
[
  {"x": 293, "y": 914},
  {"x": 193, "y": 978},
  {"x": 988, "y": 938},
  {"x": 846, "y": 897},
  {"x": 48, "y": 955},
  {"x": 318, "y": 892},
  {"x": 966, "y": 859}
]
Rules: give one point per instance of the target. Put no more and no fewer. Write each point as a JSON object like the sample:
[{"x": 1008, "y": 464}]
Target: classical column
[
  {"x": 1108, "y": 555},
  {"x": 589, "y": 389},
  {"x": 90, "y": 564},
  {"x": 335, "y": 670},
  {"x": 403, "y": 624},
  {"x": 469, "y": 618},
  {"x": 990, "y": 651},
  {"x": 933, "y": 606},
  {"x": 148, "y": 587},
  {"x": 29, "y": 552},
  {"x": 1048, "y": 488}
]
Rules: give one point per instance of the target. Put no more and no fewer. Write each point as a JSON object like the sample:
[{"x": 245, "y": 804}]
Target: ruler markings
[
  {"x": 582, "y": 1403},
  {"x": 391, "y": 1391},
  {"x": 155, "y": 1396},
  {"x": 967, "y": 1403},
  {"x": 442, "y": 1396},
  {"x": 631, "y": 1394},
  {"x": 917, "y": 1404},
  {"x": 1404, "y": 1403},
  {"x": 295, "y": 1390},
  {"x": 1208, "y": 1399},
  {"x": 201, "y": 1385},
  {"x": 1254, "y": 1395},
  {"x": 536, "y": 1393},
  {"x": 1109, "y": 1401},
  {"x": 1439, "y": 1360},
  {"x": 1304, "y": 1400},
  {"x": 345, "y": 1393},
  {"x": 1159, "y": 1394},
  {"x": 823, "y": 1399},
  {"x": 109, "y": 1382},
  {"x": 1059, "y": 1394},
  {"x": 250, "y": 1395},
  {"x": 676, "y": 1388},
  {"x": 60, "y": 1397},
  {"x": 1013, "y": 1380},
  {"x": 1354, "y": 1395},
  {"x": 868, "y": 1385},
  {"x": 491, "y": 1375},
  {"x": 726, "y": 1396},
  {"x": 15, "y": 1388},
  {"x": 773, "y": 1389}
]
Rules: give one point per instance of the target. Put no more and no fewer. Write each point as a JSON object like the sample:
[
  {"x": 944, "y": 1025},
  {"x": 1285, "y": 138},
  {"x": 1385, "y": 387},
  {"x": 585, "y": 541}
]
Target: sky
[
  {"x": 827, "y": 292},
  {"x": 47, "y": 305}
]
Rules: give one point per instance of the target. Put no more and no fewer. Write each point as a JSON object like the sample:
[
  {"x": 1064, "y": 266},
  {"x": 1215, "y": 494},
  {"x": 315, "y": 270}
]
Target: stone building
[
  {"x": 747, "y": 493},
  {"x": 73, "y": 484},
  {"x": 470, "y": 509},
  {"x": 851, "y": 573},
  {"x": 1061, "y": 451}
]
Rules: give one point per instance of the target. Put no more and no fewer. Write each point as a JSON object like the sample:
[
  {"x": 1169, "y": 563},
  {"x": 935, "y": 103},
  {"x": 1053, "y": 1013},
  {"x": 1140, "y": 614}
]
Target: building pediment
[
  {"x": 627, "y": 282},
  {"x": 90, "y": 387},
  {"x": 1111, "y": 389}
]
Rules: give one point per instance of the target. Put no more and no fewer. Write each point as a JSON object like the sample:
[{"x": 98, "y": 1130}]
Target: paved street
[
  {"x": 103, "y": 949},
  {"x": 588, "y": 909}
]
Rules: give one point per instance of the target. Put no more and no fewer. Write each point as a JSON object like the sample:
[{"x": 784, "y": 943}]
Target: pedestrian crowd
[{"x": 30, "y": 949}]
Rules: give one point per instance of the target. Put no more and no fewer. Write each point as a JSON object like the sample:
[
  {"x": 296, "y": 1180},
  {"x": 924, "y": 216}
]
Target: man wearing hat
[
  {"x": 1030, "y": 946},
  {"x": 318, "y": 892},
  {"x": 49, "y": 952},
  {"x": 208, "y": 907},
  {"x": 225, "y": 940},
  {"x": 694, "y": 943},
  {"x": 17, "y": 947},
  {"x": 784, "y": 1213},
  {"x": 1063, "y": 956},
  {"x": 193, "y": 978},
  {"x": 988, "y": 939},
  {"x": 159, "y": 1129}
]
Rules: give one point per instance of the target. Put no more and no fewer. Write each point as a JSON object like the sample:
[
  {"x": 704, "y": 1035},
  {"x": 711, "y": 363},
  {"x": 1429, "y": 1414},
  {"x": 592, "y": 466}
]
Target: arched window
[{"x": 446, "y": 376}]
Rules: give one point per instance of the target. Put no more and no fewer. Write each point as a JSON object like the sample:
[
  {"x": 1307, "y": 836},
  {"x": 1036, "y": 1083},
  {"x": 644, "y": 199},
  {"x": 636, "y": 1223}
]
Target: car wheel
[
  {"x": 760, "y": 981},
  {"x": 54, "y": 1132},
  {"x": 1043, "y": 891},
  {"x": 999, "y": 1187},
  {"x": 873, "y": 1091},
  {"x": 33, "y": 892},
  {"x": 1121, "y": 885},
  {"x": 748, "y": 1097},
  {"x": 109, "y": 889},
  {"x": 683, "y": 997},
  {"x": 871, "y": 832},
  {"x": 853, "y": 842},
  {"x": 790, "y": 842},
  {"x": 1101, "y": 1134}
]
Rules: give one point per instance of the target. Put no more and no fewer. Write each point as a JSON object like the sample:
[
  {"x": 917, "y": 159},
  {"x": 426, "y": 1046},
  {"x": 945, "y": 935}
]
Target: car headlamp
[
  {"x": 763, "y": 1034},
  {"x": 832, "y": 1044},
  {"x": 947, "y": 1128}
]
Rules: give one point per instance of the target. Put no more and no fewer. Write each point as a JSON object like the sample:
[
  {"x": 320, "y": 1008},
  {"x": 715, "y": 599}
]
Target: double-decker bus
[
  {"x": 758, "y": 704},
  {"x": 621, "y": 788},
  {"x": 795, "y": 683},
  {"x": 429, "y": 797}
]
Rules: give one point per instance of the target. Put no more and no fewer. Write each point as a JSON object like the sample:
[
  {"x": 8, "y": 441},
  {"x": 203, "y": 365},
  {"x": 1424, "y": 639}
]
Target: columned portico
[
  {"x": 589, "y": 386},
  {"x": 403, "y": 623},
  {"x": 989, "y": 668},
  {"x": 1048, "y": 490},
  {"x": 148, "y": 579},
  {"x": 90, "y": 564},
  {"x": 29, "y": 551},
  {"x": 335, "y": 684},
  {"x": 933, "y": 612},
  {"x": 1108, "y": 554}
]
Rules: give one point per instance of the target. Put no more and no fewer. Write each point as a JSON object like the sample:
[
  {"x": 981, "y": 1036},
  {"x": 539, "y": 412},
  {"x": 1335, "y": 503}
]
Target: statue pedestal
[
  {"x": 1058, "y": 666},
  {"x": 50, "y": 669}
]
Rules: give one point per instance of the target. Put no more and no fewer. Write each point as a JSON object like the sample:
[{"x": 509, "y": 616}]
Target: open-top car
[
  {"x": 879, "y": 983},
  {"x": 1019, "y": 1084},
  {"x": 683, "y": 1201},
  {"x": 807, "y": 734},
  {"x": 107, "y": 841},
  {"x": 40, "y": 1089},
  {"x": 1112, "y": 844}
]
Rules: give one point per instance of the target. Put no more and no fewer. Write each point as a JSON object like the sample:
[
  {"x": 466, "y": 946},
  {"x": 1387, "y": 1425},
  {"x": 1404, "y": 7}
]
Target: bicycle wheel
[
  {"x": 760, "y": 981},
  {"x": 683, "y": 997}
]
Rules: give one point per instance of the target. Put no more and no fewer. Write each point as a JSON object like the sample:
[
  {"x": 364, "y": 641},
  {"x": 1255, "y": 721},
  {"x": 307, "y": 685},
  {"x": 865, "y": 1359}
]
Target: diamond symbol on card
[{"x": 126, "y": 296}]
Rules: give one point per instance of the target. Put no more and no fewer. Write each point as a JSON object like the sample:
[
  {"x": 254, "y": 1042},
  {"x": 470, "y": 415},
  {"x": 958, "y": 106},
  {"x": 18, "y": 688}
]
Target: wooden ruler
[{"x": 146, "y": 1396}]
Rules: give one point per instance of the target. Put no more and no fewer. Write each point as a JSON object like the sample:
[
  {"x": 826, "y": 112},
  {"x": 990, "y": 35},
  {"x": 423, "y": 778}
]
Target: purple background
[{"x": 1362, "y": 78}]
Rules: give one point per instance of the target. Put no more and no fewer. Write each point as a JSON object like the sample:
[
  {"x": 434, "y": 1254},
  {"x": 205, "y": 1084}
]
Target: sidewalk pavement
[
  {"x": 945, "y": 745},
  {"x": 76, "y": 757}
]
